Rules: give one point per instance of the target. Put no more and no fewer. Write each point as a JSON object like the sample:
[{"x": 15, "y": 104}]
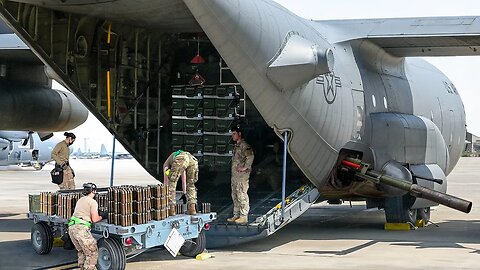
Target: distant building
[{"x": 472, "y": 145}]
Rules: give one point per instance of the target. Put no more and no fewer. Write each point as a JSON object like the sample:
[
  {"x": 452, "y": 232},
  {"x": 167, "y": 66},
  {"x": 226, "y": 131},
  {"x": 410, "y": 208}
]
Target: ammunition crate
[
  {"x": 209, "y": 90},
  {"x": 226, "y": 112},
  {"x": 177, "y": 103},
  {"x": 34, "y": 204},
  {"x": 194, "y": 148},
  {"x": 209, "y": 161},
  {"x": 190, "y": 125},
  {"x": 224, "y": 149},
  {"x": 223, "y": 91},
  {"x": 193, "y": 126},
  {"x": 193, "y": 107},
  {"x": 224, "y": 125},
  {"x": 192, "y": 91},
  {"x": 177, "y": 107},
  {"x": 219, "y": 162},
  {"x": 178, "y": 125},
  {"x": 178, "y": 90},
  {"x": 209, "y": 102},
  {"x": 209, "y": 125},
  {"x": 218, "y": 125},
  {"x": 192, "y": 143}
]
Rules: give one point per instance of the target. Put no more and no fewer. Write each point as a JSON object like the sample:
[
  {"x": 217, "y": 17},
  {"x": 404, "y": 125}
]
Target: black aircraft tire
[
  {"x": 110, "y": 255},
  {"x": 42, "y": 238},
  {"x": 397, "y": 210},
  {"x": 193, "y": 247}
]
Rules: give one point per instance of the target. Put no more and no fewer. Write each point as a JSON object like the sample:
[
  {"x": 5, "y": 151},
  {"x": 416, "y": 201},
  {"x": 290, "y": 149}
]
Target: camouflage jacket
[{"x": 242, "y": 156}]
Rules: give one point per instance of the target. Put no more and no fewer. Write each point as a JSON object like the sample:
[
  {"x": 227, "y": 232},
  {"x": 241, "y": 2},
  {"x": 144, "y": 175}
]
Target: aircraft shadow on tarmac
[{"x": 368, "y": 226}]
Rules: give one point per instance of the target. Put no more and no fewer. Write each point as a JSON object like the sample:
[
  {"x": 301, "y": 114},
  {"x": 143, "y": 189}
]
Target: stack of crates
[
  {"x": 48, "y": 203},
  {"x": 203, "y": 117},
  {"x": 187, "y": 119},
  {"x": 159, "y": 201},
  {"x": 221, "y": 106},
  {"x": 66, "y": 203}
]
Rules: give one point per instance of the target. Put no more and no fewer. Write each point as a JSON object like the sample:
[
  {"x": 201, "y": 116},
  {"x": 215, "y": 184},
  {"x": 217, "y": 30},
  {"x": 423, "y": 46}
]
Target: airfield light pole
[
  {"x": 284, "y": 174},
  {"x": 113, "y": 162}
]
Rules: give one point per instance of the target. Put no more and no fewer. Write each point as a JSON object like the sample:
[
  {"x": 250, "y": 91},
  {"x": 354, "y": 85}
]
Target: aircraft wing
[
  {"x": 437, "y": 36},
  {"x": 165, "y": 15}
]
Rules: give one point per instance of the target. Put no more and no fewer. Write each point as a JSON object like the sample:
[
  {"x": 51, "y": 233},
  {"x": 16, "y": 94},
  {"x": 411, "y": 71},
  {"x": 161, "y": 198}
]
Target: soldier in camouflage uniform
[
  {"x": 86, "y": 212},
  {"x": 61, "y": 155},
  {"x": 241, "y": 167},
  {"x": 185, "y": 165}
]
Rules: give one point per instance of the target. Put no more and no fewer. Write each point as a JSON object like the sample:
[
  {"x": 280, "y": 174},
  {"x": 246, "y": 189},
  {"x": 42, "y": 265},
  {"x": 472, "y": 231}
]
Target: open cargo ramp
[{"x": 222, "y": 233}]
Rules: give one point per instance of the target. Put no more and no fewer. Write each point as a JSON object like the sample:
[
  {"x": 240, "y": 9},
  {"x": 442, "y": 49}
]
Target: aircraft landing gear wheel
[
  {"x": 37, "y": 166},
  {"x": 111, "y": 255},
  {"x": 192, "y": 248},
  {"x": 423, "y": 213},
  {"x": 42, "y": 238},
  {"x": 397, "y": 210}
]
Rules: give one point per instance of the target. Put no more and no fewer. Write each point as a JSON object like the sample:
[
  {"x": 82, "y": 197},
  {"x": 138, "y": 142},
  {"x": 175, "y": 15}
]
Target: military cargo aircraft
[
  {"x": 360, "y": 119},
  {"x": 25, "y": 149}
]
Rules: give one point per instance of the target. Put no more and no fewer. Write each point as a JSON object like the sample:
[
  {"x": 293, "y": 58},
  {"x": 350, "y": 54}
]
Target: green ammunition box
[
  {"x": 34, "y": 203},
  {"x": 193, "y": 125},
  {"x": 178, "y": 90},
  {"x": 178, "y": 125},
  {"x": 224, "y": 126},
  {"x": 209, "y": 125},
  {"x": 192, "y": 91},
  {"x": 208, "y": 90}
]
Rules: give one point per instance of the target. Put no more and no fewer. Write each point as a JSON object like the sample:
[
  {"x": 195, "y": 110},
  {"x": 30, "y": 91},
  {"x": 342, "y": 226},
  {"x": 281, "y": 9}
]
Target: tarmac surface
[{"x": 325, "y": 237}]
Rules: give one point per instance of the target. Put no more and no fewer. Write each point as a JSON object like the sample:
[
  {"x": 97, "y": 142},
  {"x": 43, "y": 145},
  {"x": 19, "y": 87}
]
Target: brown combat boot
[
  {"x": 191, "y": 209},
  {"x": 171, "y": 211},
  {"x": 242, "y": 220},
  {"x": 232, "y": 219}
]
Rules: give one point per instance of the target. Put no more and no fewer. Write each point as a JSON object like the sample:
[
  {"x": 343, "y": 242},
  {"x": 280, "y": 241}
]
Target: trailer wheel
[
  {"x": 397, "y": 209},
  {"x": 42, "y": 238},
  {"x": 111, "y": 255},
  {"x": 193, "y": 247},
  {"x": 123, "y": 255}
]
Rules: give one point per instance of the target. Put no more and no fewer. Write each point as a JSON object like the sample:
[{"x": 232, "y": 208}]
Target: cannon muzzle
[{"x": 414, "y": 189}]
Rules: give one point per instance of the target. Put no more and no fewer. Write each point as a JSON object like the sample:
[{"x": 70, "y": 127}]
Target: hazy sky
[{"x": 463, "y": 71}]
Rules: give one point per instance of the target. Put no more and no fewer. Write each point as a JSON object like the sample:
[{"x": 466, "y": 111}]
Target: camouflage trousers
[
  {"x": 85, "y": 245},
  {"x": 241, "y": 203},
  {"x": 68, "y": 181},
  {"x": 189, "y": 164}
]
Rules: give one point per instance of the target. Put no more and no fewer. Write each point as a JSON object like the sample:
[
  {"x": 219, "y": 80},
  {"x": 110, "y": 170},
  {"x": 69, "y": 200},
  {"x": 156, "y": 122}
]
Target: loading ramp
[{"x": 265, "y": 216}]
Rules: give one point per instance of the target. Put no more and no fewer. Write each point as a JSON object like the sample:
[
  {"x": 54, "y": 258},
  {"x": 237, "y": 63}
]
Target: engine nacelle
[{"x": 39, "y": 109}]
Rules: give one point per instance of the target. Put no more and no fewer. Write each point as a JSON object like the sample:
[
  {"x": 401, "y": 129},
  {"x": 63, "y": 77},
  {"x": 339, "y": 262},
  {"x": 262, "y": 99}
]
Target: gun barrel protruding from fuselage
[{"x": 414, "y": 189}]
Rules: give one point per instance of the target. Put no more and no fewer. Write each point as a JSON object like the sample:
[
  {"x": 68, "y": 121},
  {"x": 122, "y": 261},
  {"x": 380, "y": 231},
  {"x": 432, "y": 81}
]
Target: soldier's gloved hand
[
  {"x": 183, "y": 199},
  {"x": 103, "y": 214}
]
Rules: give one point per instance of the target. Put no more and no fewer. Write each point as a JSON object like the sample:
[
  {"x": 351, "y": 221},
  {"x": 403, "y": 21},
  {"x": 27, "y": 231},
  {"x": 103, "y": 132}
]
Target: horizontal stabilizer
[{"x": 438, "y": 36}]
